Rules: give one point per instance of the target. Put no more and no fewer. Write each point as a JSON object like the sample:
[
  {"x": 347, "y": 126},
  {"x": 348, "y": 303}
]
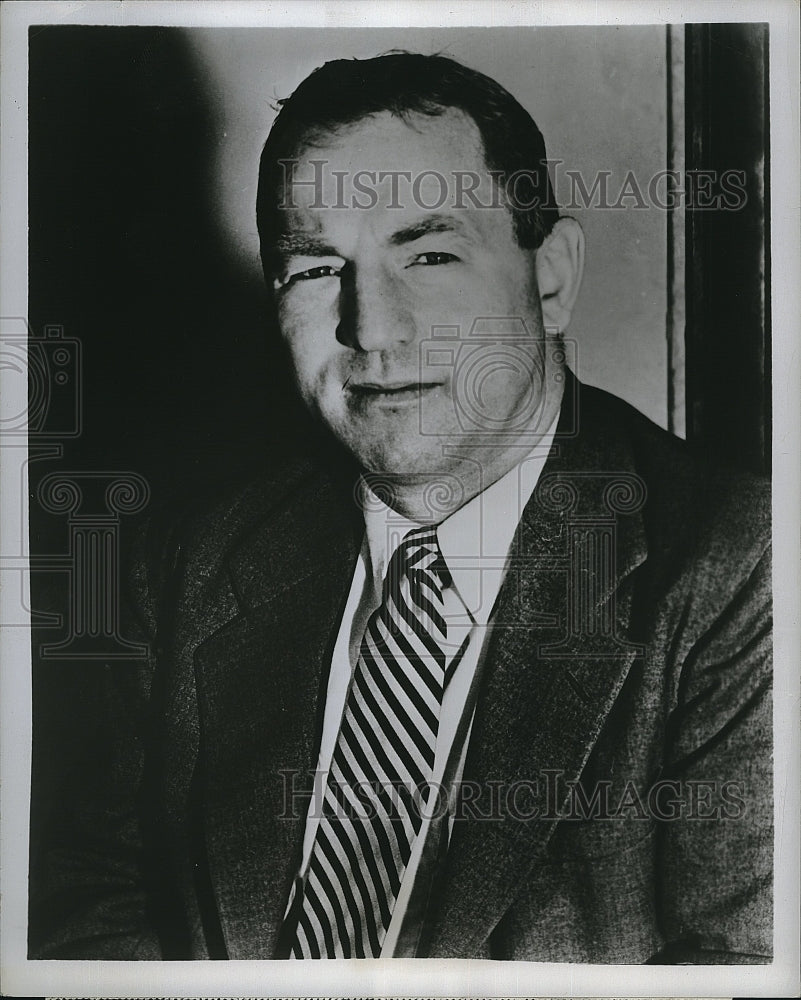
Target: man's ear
[{"x": 560, "y": 266}]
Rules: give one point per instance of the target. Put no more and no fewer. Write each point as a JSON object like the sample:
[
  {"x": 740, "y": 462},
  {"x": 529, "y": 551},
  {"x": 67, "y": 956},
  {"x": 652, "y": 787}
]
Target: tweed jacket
[{"x": 619, "y": 762}]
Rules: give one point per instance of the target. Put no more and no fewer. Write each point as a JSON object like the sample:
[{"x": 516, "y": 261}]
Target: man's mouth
[{"x": 390, "y": 392}]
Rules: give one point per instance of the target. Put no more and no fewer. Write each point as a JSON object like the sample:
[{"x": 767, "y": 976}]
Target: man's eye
[
  {"x": 433, "y": 257},
  {"x": 309, "y": 274}
]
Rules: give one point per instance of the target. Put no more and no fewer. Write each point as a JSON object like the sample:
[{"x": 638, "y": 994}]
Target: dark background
[{"x": 176, "y": 367}]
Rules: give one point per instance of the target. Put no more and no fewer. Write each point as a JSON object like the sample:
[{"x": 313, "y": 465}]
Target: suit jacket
[{"x": 619, "y": 758}]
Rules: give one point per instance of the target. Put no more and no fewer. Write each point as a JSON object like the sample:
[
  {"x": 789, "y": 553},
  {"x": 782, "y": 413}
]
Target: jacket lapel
[
  {"x": 261, "y": 688},
  {"x": 557, "y": 659}
]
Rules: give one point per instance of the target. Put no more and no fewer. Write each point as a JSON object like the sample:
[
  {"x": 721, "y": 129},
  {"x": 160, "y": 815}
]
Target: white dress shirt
[{"x": 475, "y": 542}]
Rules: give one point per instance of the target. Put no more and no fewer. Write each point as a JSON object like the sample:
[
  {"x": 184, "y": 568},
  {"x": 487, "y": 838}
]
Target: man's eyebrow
[
  {"x": 302, "y": 245},
  {"x": 430, "y": 224}
]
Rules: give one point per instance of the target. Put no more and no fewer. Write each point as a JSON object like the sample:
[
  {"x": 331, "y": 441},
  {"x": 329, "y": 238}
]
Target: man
[{"x": 485, "y": 673}]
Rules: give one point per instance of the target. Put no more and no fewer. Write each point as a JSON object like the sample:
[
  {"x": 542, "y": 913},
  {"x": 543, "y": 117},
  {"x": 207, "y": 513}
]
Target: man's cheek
[
  {"x": 305, "y": 374},
  {"x": 308, "y": 354}
]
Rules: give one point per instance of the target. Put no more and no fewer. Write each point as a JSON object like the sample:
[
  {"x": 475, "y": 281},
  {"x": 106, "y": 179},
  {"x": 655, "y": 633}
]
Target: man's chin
[
  {"x": 435, "y": 490},
  {"x": 421, "y": 465}
]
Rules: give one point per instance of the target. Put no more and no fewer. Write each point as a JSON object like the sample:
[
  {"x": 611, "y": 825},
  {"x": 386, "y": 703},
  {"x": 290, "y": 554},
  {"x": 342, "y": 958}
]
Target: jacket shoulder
[
  {"x": 190, "y": 538},
  {"x": 691, "y": 501}
]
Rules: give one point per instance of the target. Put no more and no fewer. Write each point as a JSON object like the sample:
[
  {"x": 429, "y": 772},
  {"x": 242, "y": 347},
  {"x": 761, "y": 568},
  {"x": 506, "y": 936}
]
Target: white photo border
[{"x": 415, "y": 977}]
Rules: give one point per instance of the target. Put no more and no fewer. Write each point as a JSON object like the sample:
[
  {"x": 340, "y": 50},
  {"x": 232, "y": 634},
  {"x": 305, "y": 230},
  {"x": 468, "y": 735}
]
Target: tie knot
[{"x": 417, "y": 553}]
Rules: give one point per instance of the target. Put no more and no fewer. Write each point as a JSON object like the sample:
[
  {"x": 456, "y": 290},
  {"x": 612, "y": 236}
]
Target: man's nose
[{"x": 372, "y": 315}]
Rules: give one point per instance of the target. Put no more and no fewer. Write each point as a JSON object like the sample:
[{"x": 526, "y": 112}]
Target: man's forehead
[
  {"x": 413, "y": 169},
  {"x": 384, "y": 140},
  {"x": 307, "y": 232}
]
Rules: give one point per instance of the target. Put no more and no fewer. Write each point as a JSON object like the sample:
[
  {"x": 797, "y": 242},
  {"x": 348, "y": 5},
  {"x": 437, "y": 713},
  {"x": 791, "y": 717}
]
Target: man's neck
[{"x": 429, "y": 498}]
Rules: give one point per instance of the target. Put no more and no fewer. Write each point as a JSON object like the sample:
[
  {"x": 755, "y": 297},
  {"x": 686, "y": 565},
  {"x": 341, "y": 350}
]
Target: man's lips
[{"x": 390, "y": 392}]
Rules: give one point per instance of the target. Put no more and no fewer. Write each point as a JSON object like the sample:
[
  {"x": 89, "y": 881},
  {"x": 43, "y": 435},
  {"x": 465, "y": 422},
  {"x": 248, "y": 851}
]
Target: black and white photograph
[{"x": 400, "y": 536}]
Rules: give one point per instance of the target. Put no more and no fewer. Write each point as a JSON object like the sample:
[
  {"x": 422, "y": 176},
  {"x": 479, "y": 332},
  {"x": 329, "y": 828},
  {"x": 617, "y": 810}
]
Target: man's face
[{"x": 365, "y": 292}]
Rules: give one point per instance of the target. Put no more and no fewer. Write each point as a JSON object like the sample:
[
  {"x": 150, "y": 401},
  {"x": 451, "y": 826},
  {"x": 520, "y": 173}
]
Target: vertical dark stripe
[
  {"x": 381, "y": 831},
  {"x": 311, "y": 935},
  {"x": 322, "y": 917},
  {"x": 341, "y": 833},
  {"x": 368, "y": 855},
  {"x": 344, "y": 880},
  {"x": 334, "y": 905}
]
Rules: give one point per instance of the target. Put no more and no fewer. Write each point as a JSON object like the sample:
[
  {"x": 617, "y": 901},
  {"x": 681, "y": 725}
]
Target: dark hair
[{"x": 345, "y": 91}]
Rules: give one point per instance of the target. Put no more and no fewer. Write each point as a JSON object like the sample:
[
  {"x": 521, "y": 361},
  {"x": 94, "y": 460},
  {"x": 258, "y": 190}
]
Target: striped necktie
[{"x": 382, "y": 763}]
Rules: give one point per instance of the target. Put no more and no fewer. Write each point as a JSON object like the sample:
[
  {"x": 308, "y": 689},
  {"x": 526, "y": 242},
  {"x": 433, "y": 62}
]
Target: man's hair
[{"x": 345, "y": 91}]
